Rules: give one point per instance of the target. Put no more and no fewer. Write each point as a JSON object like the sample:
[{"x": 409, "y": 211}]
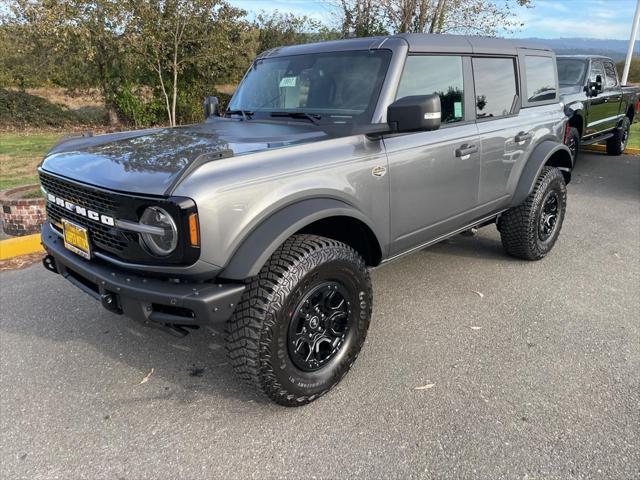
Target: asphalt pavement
[{"x": 532, "y": 371}]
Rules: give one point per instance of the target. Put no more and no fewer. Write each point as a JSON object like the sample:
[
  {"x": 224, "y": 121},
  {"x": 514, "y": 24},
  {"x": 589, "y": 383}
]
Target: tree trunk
[
  {"x": 113, "y": 116},
  {"x": 164, "y": 92},
  {"x": 175, "y": 83}
]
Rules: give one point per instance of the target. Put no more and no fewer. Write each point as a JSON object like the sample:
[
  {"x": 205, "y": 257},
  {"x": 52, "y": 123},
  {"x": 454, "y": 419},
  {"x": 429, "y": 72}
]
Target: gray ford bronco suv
[{"x": 331, "y": 158}]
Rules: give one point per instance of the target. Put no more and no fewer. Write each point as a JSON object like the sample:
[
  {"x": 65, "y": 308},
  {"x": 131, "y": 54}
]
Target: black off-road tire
[
  {"x": 617, "y": 143},
  {"x": 523, "y": 232},
  {"x": 258, "y": 334},
  {"x": 573, "y": 142}
]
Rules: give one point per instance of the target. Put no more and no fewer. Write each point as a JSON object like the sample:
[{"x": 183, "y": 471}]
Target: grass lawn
[
  {"x": 634, "y": 136},
  {"x": 20, "y": 156}
]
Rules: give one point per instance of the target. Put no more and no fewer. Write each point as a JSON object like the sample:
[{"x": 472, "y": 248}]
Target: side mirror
[
  {"x": 415, "y": 113},
  {"x": 593, "y": 88},
  {"x": 211, "y": 105}
]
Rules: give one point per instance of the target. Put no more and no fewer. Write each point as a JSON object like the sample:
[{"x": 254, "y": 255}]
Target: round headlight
[{"x": 159, "y": 244}]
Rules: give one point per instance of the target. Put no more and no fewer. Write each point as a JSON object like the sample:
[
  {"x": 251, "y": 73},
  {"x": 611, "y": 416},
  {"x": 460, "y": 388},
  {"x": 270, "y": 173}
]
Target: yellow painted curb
[
  {"x": 14, "y": 247},
  {"x": 602, "y": 148}
]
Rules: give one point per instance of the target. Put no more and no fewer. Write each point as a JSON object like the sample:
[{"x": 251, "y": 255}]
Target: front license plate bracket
[{"x": 76, "y": 238}]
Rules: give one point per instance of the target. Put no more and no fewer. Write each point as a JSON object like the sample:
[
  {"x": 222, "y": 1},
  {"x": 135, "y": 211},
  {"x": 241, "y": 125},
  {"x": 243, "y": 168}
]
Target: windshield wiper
[
  {"x": 246, "y": 114},
  {"x": 312, "y": 117}
]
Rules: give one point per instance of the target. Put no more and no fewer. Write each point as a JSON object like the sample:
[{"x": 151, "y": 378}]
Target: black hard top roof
[{"x": 416, "y": 42}]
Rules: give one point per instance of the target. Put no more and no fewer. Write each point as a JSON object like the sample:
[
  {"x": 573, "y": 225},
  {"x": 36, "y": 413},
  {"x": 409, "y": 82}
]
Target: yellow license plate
[{"x": 76, "y": 239}]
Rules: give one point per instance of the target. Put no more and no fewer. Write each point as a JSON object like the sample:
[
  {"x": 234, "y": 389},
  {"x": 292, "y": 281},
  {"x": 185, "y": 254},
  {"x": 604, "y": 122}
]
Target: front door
[
  {"x": 433, "y": 175},
  {"x": 598, "y": 116}
]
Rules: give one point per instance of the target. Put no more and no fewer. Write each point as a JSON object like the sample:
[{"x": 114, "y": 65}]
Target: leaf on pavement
[
  {"x": 147, "y": 377},
  {"x": 425, "y": 387}
]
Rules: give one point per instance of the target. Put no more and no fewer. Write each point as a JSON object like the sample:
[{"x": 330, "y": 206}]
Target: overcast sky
[{"x": 547, "y": 19}]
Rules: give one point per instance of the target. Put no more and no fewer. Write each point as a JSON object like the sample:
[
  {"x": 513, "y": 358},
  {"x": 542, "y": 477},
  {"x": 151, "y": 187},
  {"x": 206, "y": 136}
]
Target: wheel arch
[
  {"x": 576, "y": 120},
  {"x": 320, "y": 216},
  {"x": 547, "y": 153}
]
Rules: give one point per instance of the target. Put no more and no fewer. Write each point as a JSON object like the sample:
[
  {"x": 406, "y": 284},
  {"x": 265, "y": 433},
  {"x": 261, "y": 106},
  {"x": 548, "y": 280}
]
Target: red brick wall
[{"x": 21, "y": 216}]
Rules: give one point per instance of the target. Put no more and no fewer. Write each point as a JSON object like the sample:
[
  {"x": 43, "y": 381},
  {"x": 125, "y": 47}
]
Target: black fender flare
[
  {"x": 577, "y": 110},
  {"x": 256, "y": 248},
  {"x": 542, "y": 154}
]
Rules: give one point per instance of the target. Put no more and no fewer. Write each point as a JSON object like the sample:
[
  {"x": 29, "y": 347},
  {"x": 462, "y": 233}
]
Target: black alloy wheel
[
  {"x": 319, "y": 326},
  {"x": 548, "y": 216}
]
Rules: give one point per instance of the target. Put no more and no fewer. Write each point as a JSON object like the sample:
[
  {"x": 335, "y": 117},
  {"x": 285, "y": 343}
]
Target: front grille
[
  {"x": 111, "y": 240},
  {"x": 87, "y": 197},
  {"x": 104, "y": 237}
]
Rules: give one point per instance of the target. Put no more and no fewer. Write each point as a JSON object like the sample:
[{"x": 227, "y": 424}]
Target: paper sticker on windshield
[
  {"x": 457, "y": 109},
  {"x": 288, "y": 82}
]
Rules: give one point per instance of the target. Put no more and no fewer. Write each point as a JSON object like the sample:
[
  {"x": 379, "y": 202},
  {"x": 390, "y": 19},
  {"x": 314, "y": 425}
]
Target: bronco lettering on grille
[{"x": 82, "y": 211}]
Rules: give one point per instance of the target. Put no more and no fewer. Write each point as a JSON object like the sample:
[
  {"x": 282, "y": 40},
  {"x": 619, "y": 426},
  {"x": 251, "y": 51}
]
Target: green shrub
[
  {"x": 20, "y": 109},
  {"x": 133, "y": 109},
  {"x": 634, "y": 70}
]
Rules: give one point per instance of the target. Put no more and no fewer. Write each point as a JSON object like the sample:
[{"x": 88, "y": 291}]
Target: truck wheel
[
  {"x": 301, "y": 322},
  {"x": 617, "y": 143},
  {"x": 573, "y": 142},
  {"x": 530, "y": 230}
]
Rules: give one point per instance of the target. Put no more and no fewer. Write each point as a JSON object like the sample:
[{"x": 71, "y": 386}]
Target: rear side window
[
  {"x": 495, "y": 80},
  {"x": 541, "y": 79},
  {"x": 442, "y": 75},
  {"x": 612, "y": 76}
]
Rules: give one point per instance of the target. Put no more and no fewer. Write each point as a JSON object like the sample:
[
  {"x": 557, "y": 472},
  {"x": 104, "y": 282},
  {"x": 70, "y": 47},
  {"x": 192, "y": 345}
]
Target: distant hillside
[{"x": 616, "y": 49}]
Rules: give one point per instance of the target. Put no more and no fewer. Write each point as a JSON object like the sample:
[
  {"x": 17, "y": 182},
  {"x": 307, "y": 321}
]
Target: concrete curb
[
  {"x": 15, "y": 247},
  {"x": 602, "y": 148}
]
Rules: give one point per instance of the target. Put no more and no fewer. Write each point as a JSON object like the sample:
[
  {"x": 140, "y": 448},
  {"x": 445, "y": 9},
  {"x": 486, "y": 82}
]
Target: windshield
[
  {"x": 334, "y": 87},
  {"x": 571, "y": 71}
]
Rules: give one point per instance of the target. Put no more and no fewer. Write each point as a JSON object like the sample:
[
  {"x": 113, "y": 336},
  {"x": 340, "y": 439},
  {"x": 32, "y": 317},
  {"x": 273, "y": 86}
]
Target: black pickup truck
[{"x": 599, "y": 108}]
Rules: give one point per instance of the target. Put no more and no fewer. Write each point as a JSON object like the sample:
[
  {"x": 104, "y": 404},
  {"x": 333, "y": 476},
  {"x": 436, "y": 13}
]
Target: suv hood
[{"x": 153, "y": 161}]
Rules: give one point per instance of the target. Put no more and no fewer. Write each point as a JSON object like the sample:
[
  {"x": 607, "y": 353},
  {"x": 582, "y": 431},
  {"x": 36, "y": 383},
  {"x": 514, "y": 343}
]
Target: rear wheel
[
  {"x": 617, "y": 143},
  {"x": 302, "y": 321},
  {"x": 530, "y": 230}
]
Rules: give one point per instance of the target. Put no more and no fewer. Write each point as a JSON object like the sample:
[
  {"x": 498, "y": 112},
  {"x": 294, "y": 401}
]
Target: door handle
[
  {"x": 465, "y": 150},
  {"x": 522, "y": 137}
]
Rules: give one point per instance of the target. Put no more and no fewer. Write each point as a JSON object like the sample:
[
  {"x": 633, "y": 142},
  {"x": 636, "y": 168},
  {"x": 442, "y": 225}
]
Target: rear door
[
  {"x": 503, "y": 133},
  {"x": 434, "y": 175},
  {"x": 517, "y": 106}
]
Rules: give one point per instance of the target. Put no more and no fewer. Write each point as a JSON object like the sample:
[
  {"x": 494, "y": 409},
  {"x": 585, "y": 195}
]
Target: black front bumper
[{"x": 173, "y": 306}]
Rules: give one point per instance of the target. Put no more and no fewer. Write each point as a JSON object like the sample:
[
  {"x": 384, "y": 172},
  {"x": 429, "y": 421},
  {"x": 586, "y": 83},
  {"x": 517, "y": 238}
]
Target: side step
[{"x": 597, "y": 139}]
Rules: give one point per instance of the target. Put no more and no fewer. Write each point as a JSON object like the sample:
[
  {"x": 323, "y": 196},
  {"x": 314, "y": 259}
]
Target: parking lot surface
[{"x": 532, "y": 370}]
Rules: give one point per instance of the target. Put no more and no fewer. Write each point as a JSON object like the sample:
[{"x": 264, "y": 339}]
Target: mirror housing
[
  {"x": 593, "y": 88},
  {"x": 211, "y": 107},
  {"x": 415, "y": 113}
]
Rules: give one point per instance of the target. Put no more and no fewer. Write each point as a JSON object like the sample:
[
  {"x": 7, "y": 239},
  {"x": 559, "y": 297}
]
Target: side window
[
  {"x": 596, "y": 69},
  {"x": 424, "y": 75},
  {"x": 612, "y": 76},
  {"x": 495, "y": 80},
  {"x": 541, "y": 79}
]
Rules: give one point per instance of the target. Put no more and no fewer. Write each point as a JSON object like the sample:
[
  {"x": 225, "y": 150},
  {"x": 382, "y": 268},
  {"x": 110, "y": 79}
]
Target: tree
[
  {"x": 278, "y": 29},
  {"x": 78, "y": 41},
  {"x": 203, "y": 37},
  {"x": 481, "y": 17},
  {"x": 360, "y": 18}
]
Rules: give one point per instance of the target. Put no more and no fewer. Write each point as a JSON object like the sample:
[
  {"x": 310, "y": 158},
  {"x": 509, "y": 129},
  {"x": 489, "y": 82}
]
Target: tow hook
[
  {"x": 50, "y": 264},
  {"x": 110, "y": 302}
]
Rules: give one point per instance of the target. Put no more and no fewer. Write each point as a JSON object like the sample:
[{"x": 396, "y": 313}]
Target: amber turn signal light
[{"x": 194, "y": 234}]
